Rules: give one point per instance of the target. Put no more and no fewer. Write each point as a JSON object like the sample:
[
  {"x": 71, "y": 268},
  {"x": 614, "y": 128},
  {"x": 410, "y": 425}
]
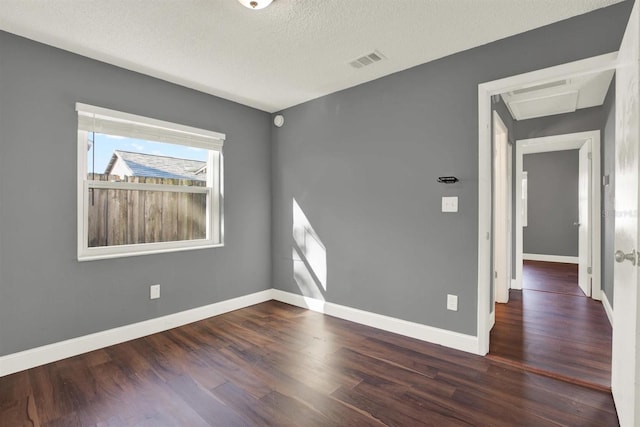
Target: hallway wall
[{"x": 552, "y": 203}]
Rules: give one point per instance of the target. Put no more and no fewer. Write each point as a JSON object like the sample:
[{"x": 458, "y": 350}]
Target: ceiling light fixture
[{"x": 255, "y": 4}]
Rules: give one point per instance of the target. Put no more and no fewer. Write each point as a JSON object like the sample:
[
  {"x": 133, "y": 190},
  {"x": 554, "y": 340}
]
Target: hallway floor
[{"x": 550, "y": 327}]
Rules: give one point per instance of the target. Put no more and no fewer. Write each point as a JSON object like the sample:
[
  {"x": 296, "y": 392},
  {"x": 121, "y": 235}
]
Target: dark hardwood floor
[
  {"x": 553, "y": 277},
  {"x": 274, "y": 364},
  {"x": 550, "y": 327}
]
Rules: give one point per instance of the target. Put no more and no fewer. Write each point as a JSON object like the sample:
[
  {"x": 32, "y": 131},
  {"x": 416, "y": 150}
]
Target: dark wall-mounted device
[{"x": 448, "y": 179}]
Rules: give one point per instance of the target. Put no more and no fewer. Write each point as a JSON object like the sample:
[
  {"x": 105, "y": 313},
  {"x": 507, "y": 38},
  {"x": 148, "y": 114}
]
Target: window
[{"x": 145, "y": 185}]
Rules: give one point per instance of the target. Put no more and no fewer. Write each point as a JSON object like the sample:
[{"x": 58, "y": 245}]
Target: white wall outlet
[
  {"x": 154, "y": 292},
  {"x": 450, "y": 204},
  {"x": 452, "y": 302}
]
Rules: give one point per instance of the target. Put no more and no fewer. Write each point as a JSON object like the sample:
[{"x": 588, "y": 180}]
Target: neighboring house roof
[{"x": 151, "y": 165}]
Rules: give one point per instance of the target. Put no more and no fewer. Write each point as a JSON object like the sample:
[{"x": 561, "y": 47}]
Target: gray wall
[
  {"x": 362, "y": 164},
  {"x": 608, "y": 192},
  {"x": 501, "y": 108},
  {"x": 48, "y": 296},
  {"x": 552, "y": 203},
  {"x": 582, "y": 120}
]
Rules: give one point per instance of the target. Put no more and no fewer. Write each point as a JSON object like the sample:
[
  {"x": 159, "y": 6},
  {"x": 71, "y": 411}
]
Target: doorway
[
  {"x": 546, "y": 307},
  {"x": 587, "y": 223},
  {"x": 485, "y": 199}
]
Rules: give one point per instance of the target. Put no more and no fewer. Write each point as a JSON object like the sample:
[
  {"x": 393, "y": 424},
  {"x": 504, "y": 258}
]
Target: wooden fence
[{"x": 121, "y": 217}]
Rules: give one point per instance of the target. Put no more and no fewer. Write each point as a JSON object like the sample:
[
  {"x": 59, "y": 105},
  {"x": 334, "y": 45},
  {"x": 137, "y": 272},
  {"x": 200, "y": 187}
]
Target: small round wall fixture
[
  {"x": 255, "y": 4},
  {"x": 278, "y": 120}
]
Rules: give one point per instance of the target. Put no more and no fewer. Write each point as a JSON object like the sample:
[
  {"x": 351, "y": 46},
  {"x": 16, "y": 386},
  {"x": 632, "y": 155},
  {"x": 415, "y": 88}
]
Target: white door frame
[
  {"x": 510, "y": 236},
  {"x": 485, "y": 91},
  {"x": 559, "y": 143}
]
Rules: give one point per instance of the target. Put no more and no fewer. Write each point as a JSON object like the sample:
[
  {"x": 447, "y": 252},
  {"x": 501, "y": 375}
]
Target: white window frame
[{"x": 103, "y": 120}]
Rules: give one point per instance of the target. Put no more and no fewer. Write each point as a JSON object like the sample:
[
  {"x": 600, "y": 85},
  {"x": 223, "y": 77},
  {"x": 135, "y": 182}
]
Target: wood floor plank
[
  {"x": 205, "y": 403},
  {"x": 376, "y": 409},
  {"x": 52, "y": 402},
  {"x": 369, "y": 368},
  {"x": 18, "y": 412},
  {"x": 274, "y": 364},
  {"x": 336, "y": 412},
  {"x": 252, "y": 410},
  {"x": 296, "y": 410},
  {"x": 386, "y": 394},
  {"x": 461, "y": 413},
  {"x": 13, "y": 388}
]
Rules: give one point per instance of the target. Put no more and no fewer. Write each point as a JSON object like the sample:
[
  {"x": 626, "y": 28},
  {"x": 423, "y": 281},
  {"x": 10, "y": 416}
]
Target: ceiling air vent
[
  {"x": 368, "y": 59},
  {"x": 540, "y": 87}
]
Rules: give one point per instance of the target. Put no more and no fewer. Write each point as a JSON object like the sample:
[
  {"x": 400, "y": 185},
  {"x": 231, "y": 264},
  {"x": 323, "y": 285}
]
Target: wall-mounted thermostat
[{"x": 447, "y": 179}]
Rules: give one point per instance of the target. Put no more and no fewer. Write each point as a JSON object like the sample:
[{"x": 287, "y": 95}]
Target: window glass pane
[
  {"x": 115, "y": 158},
  {"x": 122, "y": 217}
]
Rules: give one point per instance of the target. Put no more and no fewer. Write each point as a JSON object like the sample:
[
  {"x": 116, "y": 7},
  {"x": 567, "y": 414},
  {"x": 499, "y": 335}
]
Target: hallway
[{"x": 550, "y": 327}]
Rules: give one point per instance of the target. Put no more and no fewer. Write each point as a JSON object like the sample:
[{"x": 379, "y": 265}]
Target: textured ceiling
[{"x": 288, "y": 53}]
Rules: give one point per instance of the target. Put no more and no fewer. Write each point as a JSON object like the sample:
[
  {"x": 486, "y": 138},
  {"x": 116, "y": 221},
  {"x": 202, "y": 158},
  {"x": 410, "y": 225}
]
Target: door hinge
[
  {"x": 589, "y": 155},
  {"x": 495, "y": 274},
  {"x": 589, "y": 270}
]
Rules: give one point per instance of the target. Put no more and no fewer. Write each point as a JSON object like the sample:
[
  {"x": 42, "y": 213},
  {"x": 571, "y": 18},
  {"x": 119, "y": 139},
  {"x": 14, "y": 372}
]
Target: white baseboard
[
  {"x": 61, "y": 350},
  {"x": 551, "y": 258},
  {"x": 38, "y": 356},
  {"x": 430, "y": 334},
  {"x": 607, "y": 307}
]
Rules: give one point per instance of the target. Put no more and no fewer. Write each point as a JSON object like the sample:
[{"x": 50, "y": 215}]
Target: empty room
[{"x": 311, "y": 213}]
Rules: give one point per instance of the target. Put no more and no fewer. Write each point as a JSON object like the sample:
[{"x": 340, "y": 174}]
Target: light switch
[{"x": 450, "y": 204}]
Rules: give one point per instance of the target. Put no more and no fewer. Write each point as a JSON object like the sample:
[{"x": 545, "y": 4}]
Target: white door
[
  {"x": 625, "y": 376},
  {"x": 501, "y": 275},
  {"x": 584, "y": 218}
]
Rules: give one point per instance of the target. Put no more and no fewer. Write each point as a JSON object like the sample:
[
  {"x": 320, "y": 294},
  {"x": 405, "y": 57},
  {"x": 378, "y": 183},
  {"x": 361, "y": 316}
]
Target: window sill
[{"x": 126, "y": 251}]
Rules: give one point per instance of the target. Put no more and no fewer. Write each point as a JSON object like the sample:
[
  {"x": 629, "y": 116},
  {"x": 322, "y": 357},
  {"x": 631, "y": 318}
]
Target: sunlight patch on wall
[
  {"x": 304, "y": 278},
  {"x": 309, "y": 256}
]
